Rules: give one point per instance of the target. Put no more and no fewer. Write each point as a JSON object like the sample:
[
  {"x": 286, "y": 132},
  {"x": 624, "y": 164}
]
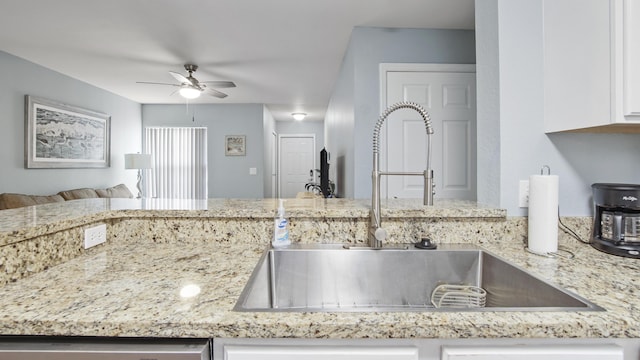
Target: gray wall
[
  {"x": 511, "y": 109},
  {"x": 269, "y": 150},
  {"x": 339, "y": 125},
  {"x": 367, "y": 49},
  {"x": 488, "y": 104},
  {"x": 228, "y": 175},
  {"x": 20, "y": 78}
]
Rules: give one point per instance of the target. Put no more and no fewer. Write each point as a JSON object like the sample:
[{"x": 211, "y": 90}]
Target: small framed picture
[{"x": 235, "y": 145}]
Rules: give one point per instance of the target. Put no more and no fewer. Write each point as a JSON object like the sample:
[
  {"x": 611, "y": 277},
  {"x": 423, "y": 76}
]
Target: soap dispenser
[{"x": 281, "y": 228}]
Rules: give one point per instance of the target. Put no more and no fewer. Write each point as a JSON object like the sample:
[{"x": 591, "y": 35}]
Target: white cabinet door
[
  {"x": 591, "y": 77},
  {"x": 577, "y": 64},
  {"x": 533, "y": 352},
  {"x": 631, "y": 58},
  {"x": 282, "y": 352}
]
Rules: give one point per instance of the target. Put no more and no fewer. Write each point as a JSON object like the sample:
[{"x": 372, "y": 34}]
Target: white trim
[{"x": 275, "y": 171}]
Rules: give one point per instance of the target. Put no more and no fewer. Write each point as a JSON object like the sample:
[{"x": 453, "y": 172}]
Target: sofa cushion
[
  {"x": 45, "y": 199},
  {"x": 75, "y": 194},
  {"x": 12, "y": 201},
  {"x": 118, "y": 191}
]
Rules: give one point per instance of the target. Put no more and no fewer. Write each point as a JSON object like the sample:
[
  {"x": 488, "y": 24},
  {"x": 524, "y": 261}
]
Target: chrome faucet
[{"x": 377, "y": 235}]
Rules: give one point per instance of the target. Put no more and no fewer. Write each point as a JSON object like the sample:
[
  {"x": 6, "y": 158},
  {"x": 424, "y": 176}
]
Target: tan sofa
[{"x": 11, "y": 201}]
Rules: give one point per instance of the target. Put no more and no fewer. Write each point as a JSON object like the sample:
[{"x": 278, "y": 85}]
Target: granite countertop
[
  {"x": 133, "y": 289},
  {"x": 28, "y": 222}
]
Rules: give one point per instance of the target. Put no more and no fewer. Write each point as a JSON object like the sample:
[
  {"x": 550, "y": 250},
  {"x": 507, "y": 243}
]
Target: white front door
[
  {"x": 296, "y": 160},
  {"x": 449, "y": 96}
]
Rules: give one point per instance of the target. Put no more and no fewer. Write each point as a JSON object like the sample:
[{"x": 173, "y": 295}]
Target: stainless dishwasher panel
[{"x": 112, "y": 349}]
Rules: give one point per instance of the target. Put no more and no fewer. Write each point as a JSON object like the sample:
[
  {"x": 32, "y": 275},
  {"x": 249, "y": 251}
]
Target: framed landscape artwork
[
  {"x": 64, "y": 136},
  {"x": 235, "y": 145}
]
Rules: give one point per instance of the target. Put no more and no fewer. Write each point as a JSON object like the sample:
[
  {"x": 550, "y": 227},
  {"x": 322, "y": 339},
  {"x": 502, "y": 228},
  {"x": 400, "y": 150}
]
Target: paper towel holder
[
  {"x": 559, "y": 252},
  {"x": 545, "y": 167}
]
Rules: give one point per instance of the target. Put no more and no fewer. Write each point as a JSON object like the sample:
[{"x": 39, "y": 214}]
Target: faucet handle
[{"x": 380, "y": 234}]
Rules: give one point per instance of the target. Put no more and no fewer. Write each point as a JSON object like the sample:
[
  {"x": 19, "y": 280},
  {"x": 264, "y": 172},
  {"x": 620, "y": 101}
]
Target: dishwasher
[{"x": 53, "y": 348}]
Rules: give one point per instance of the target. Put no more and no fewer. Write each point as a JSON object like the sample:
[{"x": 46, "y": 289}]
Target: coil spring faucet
[{"x": 377, "y": 235}]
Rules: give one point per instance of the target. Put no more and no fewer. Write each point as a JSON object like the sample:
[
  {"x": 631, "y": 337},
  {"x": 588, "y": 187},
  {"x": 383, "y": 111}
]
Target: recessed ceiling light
[{"x": 299, "y": 116}]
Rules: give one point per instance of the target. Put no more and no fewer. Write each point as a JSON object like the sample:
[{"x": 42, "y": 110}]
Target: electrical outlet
[
  {"x": 95, "y": 235},
  {"x": 523, "y": 194}
]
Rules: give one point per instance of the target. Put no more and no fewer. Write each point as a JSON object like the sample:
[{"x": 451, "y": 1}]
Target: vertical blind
[{"x": 179, "y": 156}]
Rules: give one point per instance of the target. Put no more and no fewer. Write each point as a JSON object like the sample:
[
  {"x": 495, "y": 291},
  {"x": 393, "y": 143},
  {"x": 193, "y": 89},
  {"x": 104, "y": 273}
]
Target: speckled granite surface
[
  {"x": 38, "y": 237},
  {"x": 133, "y": 289},
  {"x": 131, "y": 285},
  {"x": 28, "y": 222}
]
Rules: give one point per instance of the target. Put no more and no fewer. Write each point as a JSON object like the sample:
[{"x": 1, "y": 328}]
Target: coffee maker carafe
[{"x": 616, "y": 219}]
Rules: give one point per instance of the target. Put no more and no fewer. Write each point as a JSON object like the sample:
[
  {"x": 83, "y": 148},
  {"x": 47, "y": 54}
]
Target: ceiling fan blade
[
  {"x": 219, "y": 84},
  {"x": 154, "y": 83},
  {"x": 215, "y": 93},
  {"x": 183, "y": 79}
]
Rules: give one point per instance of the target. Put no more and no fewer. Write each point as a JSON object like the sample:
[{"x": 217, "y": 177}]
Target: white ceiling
[{"x": 283, "y": 53}]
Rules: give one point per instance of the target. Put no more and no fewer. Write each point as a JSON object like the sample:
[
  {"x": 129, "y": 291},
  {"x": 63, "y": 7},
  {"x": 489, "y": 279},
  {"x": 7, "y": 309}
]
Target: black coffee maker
[{"x": 616, "y": 219}]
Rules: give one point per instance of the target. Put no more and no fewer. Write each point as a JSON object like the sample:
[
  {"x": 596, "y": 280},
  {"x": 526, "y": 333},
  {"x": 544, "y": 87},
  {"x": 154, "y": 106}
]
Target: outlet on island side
[
  {"x": 95, "y": 235},
  {"x": 523, "y": 194}
]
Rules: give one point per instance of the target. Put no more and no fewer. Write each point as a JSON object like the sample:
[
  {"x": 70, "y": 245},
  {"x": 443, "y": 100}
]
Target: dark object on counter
[
  {"x": 426, "y": 244},
  {"x": 324, "y": 173},
  {"x": 616, "y": 219}
]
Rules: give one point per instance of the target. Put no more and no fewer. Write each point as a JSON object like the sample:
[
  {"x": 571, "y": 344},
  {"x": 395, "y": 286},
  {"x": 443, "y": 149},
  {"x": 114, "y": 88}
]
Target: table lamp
[{"x": 139, "y": 162}]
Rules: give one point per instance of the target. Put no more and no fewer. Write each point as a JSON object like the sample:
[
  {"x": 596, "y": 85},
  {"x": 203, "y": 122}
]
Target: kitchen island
[{"x": 159, "y": 284}]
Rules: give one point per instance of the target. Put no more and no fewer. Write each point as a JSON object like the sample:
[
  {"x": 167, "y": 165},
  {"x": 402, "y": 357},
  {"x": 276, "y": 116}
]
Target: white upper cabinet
[{"x": 591, "y": 73}]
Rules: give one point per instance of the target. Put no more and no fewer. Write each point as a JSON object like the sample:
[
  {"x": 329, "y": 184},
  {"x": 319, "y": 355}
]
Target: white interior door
[
  {"x": 450, "y": 99},
  {"x": 296, "y": 159}
]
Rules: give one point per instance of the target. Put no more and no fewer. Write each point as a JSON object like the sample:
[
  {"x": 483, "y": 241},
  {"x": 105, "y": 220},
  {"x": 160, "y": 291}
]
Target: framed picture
[
  {"x": 235, "y": 145},
  {"x": 65, "y": 136}
]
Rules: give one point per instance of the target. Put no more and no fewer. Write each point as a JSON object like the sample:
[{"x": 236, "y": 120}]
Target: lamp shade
[
  {"x": 137, "y": 161},
  {"x": 189, "y": 92}
]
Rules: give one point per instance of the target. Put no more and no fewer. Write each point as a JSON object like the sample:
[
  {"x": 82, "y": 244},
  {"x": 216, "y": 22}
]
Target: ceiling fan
[{"x": 191, "y": 88}]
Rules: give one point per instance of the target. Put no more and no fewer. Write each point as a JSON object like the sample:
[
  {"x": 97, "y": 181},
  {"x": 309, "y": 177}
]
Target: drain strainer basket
[{"x": 458, "y": 296}]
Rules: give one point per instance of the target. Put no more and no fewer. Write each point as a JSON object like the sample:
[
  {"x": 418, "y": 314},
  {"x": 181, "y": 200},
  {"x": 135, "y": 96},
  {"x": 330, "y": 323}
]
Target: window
[{"x": 179, "y": 169}]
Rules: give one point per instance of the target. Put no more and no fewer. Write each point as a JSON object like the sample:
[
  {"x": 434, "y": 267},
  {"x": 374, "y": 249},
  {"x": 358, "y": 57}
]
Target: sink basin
[{"x": 334, "y": 278}]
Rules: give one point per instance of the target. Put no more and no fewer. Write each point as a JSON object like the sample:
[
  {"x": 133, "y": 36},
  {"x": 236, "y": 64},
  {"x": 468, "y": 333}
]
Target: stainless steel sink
[{"x": 334, "y": 278}]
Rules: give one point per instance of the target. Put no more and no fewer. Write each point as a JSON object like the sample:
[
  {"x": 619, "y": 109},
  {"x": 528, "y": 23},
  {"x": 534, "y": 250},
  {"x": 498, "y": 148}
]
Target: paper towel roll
[{"x": 543, "y": 214}]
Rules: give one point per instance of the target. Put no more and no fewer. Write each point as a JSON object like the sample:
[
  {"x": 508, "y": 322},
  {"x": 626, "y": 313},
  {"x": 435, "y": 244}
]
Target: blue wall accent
[
  {"x": 228, "y": 175},
  {"x": 511, "y": 112},
  {"x": 355, "y": 103},
  {"x": 20, "y": 78}
]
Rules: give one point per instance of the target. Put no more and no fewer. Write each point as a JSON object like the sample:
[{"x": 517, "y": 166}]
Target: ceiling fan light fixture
[
  {"x": 189, "y": 92},
  {"x": 299, "y": 116}
]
